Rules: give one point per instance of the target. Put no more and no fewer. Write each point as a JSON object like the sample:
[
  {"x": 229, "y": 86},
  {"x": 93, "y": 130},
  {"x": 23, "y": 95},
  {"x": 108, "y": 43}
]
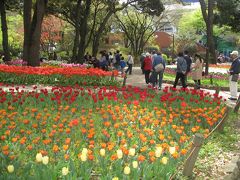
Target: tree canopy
[{"x": 229, "y": 13}]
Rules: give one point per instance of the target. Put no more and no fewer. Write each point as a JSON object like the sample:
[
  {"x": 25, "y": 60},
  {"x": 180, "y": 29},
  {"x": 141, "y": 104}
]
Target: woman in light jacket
[{"x": 197, "y": 69}]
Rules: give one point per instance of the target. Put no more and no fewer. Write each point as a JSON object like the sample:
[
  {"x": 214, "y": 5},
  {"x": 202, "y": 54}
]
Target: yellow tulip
[
  {"x": 115, "y": 178},
  {"x": 119, "y": 154},
  {"x": 10, "y": 168},
  {"x": 102, "y": 152},
  {"x": 132, "y": 152},
  {"x": 127, "y": 170},
  {"x": 164, "y": 160},
  {"x": 39, "y": 157},
  {"x": 45, "y": 160},
  {"x": 85, "y": 151},
  {"x": 65, "y": 171},
  {"x": 135, "y": 164},
  {"x": 83, "y": 157},
  {"x": 172, "y": 150},
  {"x": 158, "y": 152}
]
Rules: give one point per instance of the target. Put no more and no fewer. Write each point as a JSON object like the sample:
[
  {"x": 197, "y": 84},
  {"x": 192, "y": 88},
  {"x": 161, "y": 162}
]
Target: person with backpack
[
  {"x": 234, "y": 75},
  {"x": 117, "y": 60},
  {"x": 159, "y": 65},
  {"x": 130, "y": 63},
  {"x": 181, "y": 70},
  {"x": 122, "y": 64}
]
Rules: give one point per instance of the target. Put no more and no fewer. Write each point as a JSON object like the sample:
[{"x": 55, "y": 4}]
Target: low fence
[{"x": 197, "y": 143}]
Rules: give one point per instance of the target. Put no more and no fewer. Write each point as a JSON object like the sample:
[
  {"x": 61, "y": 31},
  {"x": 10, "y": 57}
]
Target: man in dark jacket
[
  {"x": 181, "y": 70},
  {"x": 118, "y": 59},
  {"x": 234, "y": 73},
  {"x": 189, "y": 63}
]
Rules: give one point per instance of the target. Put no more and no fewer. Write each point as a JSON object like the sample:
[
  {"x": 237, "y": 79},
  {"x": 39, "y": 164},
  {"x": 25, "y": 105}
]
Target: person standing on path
[
  {"x": 189, "y": 63},
  {"x": 197, "y": 69},
  {"x": 130, "y": 63},
  {"x": 142, "y": 57},
  {"x": 181, "y": 70},
  {"x": 234, "y": 73},
  {"x": 117, "y": 60},
  {"x": 147, "y": 67},
  {"x": 158, "y": 76}
]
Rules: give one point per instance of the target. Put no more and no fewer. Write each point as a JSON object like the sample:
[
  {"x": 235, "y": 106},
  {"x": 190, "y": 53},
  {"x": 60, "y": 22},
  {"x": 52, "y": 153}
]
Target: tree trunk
[
  {"x": 27, "y": 18},
  {"x": 210, "y": 37},
  {"x": 95, "y": 45},
  {"x": 83, "y": 33},
  {"x": 4, "y": 31},
  {"x": 208, "y": 17},
  {"x": 35, "y": 34},
  {"x": 77, "y": 31},
  {"x": 98, "y": 34}
]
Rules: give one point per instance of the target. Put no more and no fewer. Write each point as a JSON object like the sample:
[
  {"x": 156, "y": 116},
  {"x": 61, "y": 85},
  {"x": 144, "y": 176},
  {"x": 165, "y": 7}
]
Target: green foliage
[
  {"x": 151, "y": 7},
  {"x": 15, "y": 33},
  {"x": 192, "y": 28},
  {"x": 138, "y": 28},
  {"x": 192, "y": 22},
  {"x": 228, "y": 13}
]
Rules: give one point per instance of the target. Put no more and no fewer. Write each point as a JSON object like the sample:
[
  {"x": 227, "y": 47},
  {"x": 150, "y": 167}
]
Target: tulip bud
[
  {"x": 132, "y": 152},
  {"x": 45, "y": 160},
  {"x": 164, "y": 160},
  {"x": 65, "y": 171},
  {"x": 39, "y": 157},
  {"x": 102, "y": 152},
  {"x": 127, "y": 170},
  {"x": 10, "y": 168},
  {"x": 135, "y": 164},
  {"x": 119, "y": 154}
]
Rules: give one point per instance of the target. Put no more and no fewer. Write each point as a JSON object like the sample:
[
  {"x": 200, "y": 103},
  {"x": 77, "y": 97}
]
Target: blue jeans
[{"x": 158, "y": 78}]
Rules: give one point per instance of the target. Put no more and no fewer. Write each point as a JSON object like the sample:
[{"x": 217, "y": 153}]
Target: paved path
[{"x": 138, "y": 79}]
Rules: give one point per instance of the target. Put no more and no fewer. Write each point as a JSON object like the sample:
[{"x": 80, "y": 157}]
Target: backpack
[{"x": 158, "y": 68}]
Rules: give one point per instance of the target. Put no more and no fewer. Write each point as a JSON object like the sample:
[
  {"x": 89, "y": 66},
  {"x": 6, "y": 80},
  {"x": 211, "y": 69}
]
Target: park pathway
[{"x": 137, "y": 79}]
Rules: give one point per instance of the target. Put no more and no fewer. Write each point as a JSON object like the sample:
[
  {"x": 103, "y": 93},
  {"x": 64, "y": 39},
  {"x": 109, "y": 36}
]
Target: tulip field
[
  {"x": 51, "y": 75},
  {"x": 78, "y": 132}
]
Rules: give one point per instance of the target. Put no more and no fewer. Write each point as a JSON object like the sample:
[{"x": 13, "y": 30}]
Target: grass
[{"x": 216, "y": 82}]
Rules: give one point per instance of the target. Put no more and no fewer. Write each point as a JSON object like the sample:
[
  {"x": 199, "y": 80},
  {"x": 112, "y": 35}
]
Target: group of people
[
  {"x": 153, "y": 66},
  {"x": 111, "y": 61}
]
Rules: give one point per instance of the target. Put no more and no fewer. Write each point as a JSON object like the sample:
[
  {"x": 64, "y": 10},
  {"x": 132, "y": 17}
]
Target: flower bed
[
  {"x": 222, "y": 66},
  {"x": 106, "y": 133},
  {"x": 55, "y": 76}
]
